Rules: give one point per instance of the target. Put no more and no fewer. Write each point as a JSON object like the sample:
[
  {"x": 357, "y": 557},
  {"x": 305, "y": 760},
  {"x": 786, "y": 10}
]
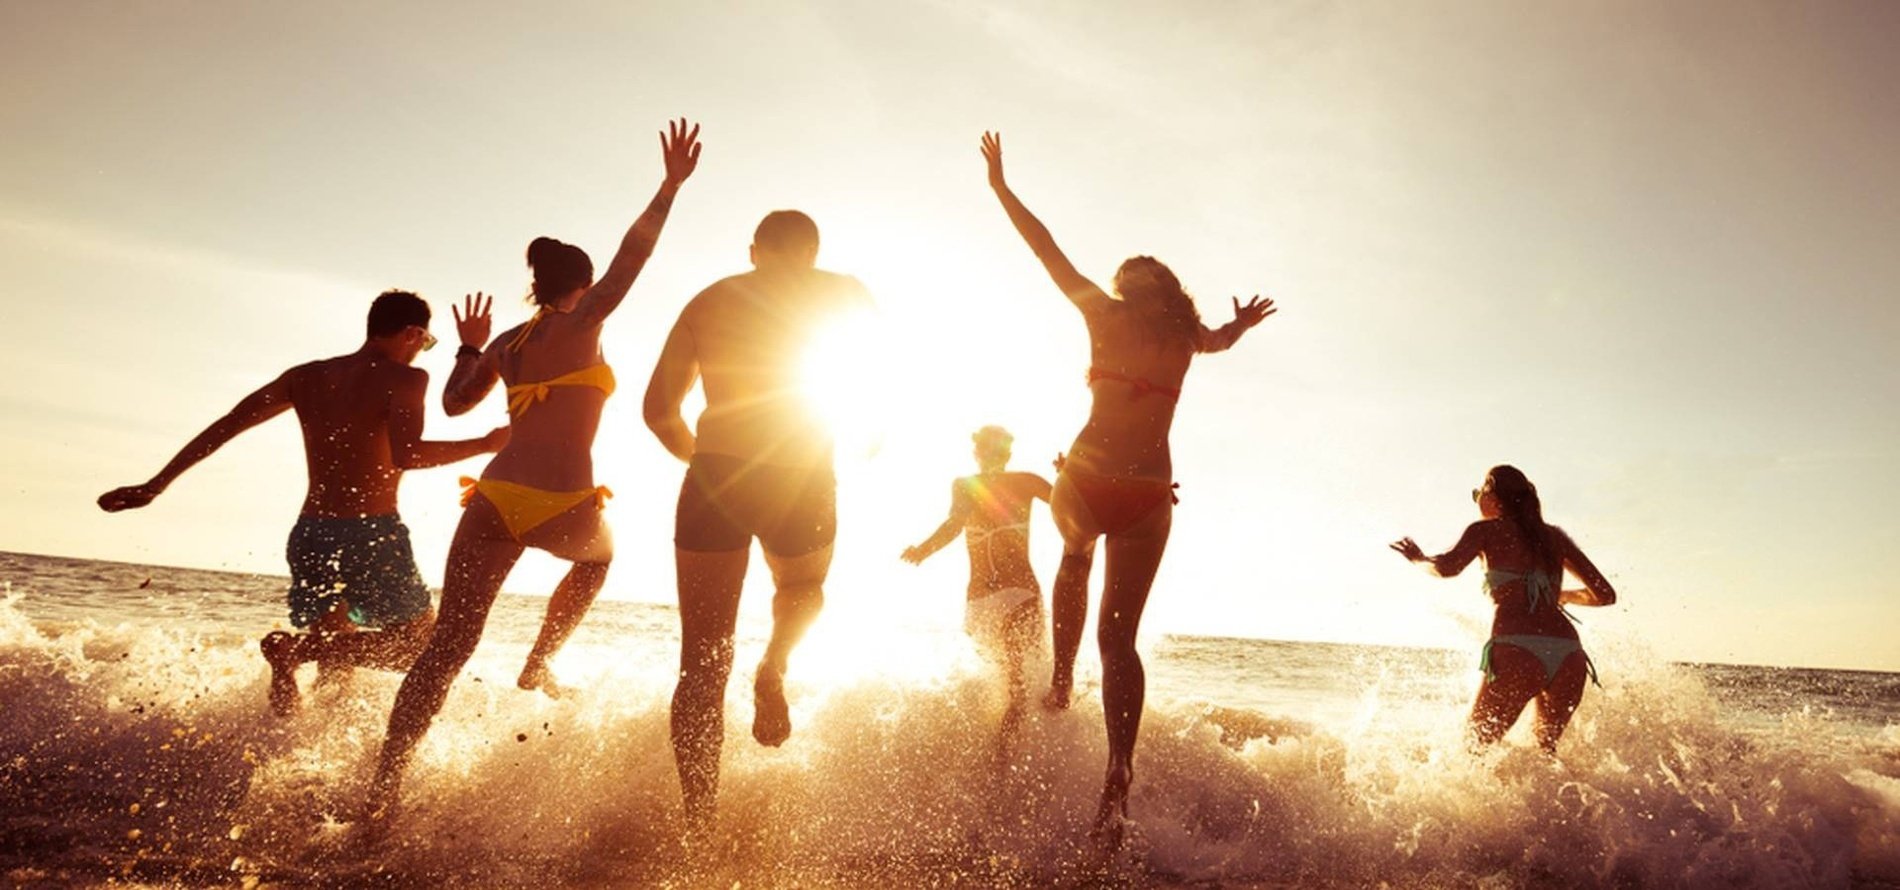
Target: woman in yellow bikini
[
  {"x": 1534, "y": 652},
  {"x": 539, "y": 491},
  {"x": 1117, "y": 480}
]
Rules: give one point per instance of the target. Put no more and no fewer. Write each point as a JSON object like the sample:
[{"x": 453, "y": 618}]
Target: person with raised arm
[
  {"x": 1116, "y": 483},
  {"x": 1003, "y": 605},
  {"x": 758, "y": 466},
  {"x": 1534, "y": 653},
  {"x": 354, "y": 588},
  {"x": 539, "y": 491}
]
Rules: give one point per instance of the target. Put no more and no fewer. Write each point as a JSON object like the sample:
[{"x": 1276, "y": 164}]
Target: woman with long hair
[
  {"x": 539, "y": 491},
  {"x": 1117, "y": 480},
  {"x": 1534, "y": 651}
]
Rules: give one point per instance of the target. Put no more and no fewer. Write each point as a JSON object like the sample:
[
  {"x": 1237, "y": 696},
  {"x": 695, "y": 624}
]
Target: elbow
[
  {"x": 455, "y": 406},
  {"x": 1606, "y": 597}
]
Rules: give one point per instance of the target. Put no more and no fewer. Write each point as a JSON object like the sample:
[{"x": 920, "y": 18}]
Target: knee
[
  {"x": 709, "y": 661},
  {"x": 1116, "y": 642}
]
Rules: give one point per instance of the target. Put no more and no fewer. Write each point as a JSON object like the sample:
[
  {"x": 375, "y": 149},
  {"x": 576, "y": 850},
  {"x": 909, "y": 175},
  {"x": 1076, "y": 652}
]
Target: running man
[
  {"x": 351, "y": 566},
  {"x": 1003, "y": 613},
  {"x": 759, "y": 466}
]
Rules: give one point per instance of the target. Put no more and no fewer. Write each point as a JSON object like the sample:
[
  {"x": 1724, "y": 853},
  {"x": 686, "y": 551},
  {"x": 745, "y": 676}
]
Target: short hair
[
  {"x": 394, "y": 310},
  {"x": 993, "y": 438},
  {"x": 786, "y": 231}
]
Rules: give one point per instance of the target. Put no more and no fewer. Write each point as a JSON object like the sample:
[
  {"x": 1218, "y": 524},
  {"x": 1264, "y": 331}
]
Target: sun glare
[{"x": 847, "y": 380}]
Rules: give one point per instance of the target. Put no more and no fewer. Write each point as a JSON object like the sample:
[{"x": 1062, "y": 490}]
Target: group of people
[{"x": 759, "y": 466}]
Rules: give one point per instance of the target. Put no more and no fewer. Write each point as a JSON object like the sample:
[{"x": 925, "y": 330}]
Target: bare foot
[
  {"x": 1111, "y": 818},
  {"x": 1057, "y": 698},
  {"x": 281, "y": 651},
  {"x": 771, "y": 716},
  {"x": 535, "y": 675}
]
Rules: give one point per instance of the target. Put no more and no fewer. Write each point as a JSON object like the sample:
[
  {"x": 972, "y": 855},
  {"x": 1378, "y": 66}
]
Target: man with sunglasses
[{"x": 354, "y": 587}]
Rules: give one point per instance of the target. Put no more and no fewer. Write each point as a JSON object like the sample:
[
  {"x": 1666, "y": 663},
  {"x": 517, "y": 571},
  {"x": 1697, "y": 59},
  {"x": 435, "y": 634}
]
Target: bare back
[
  {"x": 1505, "y": 551},
  {"x": 996, "y": 528},
  {"x": 1129, "y": 419},
  {"x": 750, "y": 335},
  {"x": 551, "y": 442},
  {"x": 343, "y": 407}
]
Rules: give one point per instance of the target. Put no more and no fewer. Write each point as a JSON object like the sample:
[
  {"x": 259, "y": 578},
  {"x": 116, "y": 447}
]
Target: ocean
[{"x": 136, "y": 747}]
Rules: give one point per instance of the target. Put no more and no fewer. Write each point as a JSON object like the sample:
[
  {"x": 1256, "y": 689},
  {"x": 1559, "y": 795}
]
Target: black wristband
[{"x": 467, "y": 350}]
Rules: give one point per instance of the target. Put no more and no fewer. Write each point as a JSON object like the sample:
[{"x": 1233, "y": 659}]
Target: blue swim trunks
[{"x": 365, "y": 562}]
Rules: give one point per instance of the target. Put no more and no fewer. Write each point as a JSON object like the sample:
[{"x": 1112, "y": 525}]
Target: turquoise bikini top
[{"x": 1538, "y": 585}]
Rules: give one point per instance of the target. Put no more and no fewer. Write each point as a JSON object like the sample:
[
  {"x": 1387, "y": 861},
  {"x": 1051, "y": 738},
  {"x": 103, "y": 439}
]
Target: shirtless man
[
  {"x": 759, "y": 465},
  {"x": 350, "y": 561},
  {"x": 1003, "y": 613}
]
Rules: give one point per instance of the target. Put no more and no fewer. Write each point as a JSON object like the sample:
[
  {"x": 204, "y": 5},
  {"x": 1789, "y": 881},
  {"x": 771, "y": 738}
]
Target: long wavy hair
[
  {"x": 1151, "y": 289},
  {"x": 1520, "y": 506}
]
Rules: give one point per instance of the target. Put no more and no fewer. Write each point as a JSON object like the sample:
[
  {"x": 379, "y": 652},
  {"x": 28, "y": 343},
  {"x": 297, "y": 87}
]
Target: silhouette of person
[
  {"x": 1116, "y": 481},
  {"x": 1003, "y": 611},
  {"x": 759, "y": 465},
  {"x": 539, "y": 491},
  {"x": 1534, "y": 652},
  {"x": 351, "y": 565}
]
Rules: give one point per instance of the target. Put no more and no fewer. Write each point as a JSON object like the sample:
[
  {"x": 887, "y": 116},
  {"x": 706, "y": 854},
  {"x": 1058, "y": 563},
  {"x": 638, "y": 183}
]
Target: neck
[{"x": 380, "y": 349}]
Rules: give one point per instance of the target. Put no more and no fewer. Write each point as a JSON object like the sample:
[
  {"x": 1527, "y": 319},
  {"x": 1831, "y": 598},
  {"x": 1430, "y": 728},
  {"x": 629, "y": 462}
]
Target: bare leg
[
  {"x": 284, "y": 652},
  {"x": 796, "y": 601},
  {"x": 338, "y": 647},
  {"x": 1133, "y": 560},
  {"x": 479, "y": 560},
  {"x": 1068, "y": 614},
  {"x": 1558, "y": 702},
  {"x": 571, "y": 600},
  {"x": 1020, "y": 637},
  {"x": 1516, "y": 677},
  {"x": 709, "y": 585}
]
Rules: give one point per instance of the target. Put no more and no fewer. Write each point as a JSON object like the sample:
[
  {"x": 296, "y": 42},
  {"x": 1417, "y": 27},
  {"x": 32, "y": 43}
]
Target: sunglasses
[
  {"x": 1477, "y": 493},
  {"x": 428, "y": 339}
]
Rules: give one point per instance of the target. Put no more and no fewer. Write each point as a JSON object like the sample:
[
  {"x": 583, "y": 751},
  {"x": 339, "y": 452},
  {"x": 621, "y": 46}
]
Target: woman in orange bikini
[
  {"x": 539, "y": 491},
  {"x": 1534, "y": 651},
  {"x": 1117, "y": 480}
]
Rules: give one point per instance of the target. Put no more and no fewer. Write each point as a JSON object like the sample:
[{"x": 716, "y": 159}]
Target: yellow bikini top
[{"x": 523, "y": 395}]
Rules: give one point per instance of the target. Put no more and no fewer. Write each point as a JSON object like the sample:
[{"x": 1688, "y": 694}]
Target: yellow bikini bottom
[{"x": 522, "y": 508}]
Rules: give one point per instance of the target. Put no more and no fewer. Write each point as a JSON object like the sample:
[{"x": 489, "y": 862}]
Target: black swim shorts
[
  {"x": 726, "y": 502},
  {"x": 365, "y": 562}
]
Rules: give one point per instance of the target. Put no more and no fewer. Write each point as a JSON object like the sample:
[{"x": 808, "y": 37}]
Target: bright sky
[{"x": 1642, "y": 251}]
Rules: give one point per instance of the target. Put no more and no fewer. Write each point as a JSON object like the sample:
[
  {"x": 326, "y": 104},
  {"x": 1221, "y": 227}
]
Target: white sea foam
[{"x": 144, "y": 750}]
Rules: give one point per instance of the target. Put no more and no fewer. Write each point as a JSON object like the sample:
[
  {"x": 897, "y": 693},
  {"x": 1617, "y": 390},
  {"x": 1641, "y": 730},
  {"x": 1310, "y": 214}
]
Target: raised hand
[
  {"x": 472, "y": 320},
  {"x": 1409, "y": 549},
  {"x": 130, "y": 497},
  {"x": 1253, "y": 313},
  {"x": 993, "y": 155},
  {"x": 914, "y": 555},
  {"x": 679, "y": 145}
]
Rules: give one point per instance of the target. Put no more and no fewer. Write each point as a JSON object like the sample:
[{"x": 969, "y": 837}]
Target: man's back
[
  {"x": 343, "y": 407},
  {"x": 751, "y": 334}
]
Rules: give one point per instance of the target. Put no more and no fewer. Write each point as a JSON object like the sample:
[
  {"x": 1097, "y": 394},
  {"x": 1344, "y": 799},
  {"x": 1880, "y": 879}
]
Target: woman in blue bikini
[{"x": 1534, "y": 651}]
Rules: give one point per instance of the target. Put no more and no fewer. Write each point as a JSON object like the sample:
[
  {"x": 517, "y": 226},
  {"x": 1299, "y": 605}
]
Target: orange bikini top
[{"x": 1141, "y": 385}]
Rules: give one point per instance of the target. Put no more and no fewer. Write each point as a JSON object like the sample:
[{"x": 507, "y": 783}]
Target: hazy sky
[{"x": 1643, "y": 251}]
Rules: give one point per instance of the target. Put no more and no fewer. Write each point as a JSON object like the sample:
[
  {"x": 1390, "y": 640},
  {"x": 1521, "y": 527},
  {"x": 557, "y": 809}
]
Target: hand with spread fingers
[
  {"x": 679, "y": 145},
  {"x": 1254, "y": 312},
  {"x": 993, "y": 155},
  {"x": 1408, "y": 548},
  {"x": 473, "y": 319}
]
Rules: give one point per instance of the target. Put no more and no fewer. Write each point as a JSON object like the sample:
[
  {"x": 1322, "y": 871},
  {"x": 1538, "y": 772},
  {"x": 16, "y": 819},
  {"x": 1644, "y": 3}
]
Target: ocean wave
[{"x": 146, "y": 752}]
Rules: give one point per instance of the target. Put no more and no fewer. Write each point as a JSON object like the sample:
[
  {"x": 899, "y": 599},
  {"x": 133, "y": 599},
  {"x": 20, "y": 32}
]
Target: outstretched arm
[
  {"x": 1450, "y": 562},
  {"x": 1245, "y": 317},
  {"x": 476, "y": 370},
  {"x": 408, "y": 450},
  {"x": 1080, "y": 291},
  {"x": 1596, "y": 588},
  {"x": 673, "y": 378},
  {"x": 273, "y": 399},
  {"x": 945, "y": 533},
  {"x": 679, "y": 145}
]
